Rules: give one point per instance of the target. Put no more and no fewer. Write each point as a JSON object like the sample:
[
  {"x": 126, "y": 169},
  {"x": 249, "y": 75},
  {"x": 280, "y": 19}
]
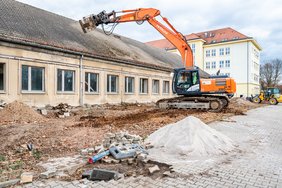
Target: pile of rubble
[
  {"x": 120, "y": 147},
  {"x": 62, "y": 110}
]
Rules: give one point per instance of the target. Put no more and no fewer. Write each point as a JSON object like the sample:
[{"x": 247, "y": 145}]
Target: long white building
[{"x": 226, "y": 51}]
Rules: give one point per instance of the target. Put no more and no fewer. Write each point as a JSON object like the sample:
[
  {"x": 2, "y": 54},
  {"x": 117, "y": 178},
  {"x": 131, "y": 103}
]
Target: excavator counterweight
[{"x": 196, "y": 88}]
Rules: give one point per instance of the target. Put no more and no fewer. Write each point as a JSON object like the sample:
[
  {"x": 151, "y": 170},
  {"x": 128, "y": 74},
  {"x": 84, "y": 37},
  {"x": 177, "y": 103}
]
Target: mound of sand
[
  {"x": 186, "y": 139},
  {"x": 18, "y": 112}
]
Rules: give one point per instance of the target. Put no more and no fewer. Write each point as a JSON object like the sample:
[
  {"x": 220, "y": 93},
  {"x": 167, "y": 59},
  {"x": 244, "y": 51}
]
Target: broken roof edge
[{"x": 26, "y": 42}]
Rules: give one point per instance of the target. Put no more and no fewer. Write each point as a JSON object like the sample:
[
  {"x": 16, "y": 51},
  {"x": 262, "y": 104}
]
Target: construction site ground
[{"x": 54, "y": 137}]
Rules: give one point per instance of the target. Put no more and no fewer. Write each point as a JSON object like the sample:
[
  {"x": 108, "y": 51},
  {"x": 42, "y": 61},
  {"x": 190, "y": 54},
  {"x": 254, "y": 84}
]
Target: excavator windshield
[{"x": 187, "y": 80}]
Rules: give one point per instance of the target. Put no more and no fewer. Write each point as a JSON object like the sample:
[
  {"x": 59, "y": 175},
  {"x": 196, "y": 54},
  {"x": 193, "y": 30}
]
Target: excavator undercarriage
[{"x": 213, "y": 103}]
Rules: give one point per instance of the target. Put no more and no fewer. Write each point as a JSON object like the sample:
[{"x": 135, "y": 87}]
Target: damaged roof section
[{"x": 31, "y": 25}]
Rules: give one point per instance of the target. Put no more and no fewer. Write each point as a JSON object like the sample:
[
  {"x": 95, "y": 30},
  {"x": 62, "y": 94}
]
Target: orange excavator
[{"x": 195, "y": 88}]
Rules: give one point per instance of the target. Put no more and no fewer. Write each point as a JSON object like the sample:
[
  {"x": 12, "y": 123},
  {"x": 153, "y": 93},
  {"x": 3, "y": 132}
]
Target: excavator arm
[{"x": 140, "y": 15}]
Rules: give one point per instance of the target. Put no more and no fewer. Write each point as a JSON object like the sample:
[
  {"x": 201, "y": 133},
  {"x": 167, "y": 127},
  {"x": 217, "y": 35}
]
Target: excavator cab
[{"x": 186, "y": 82}]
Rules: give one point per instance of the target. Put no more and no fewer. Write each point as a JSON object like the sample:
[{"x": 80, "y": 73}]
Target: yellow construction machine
[{"x": 271, "y": 95}]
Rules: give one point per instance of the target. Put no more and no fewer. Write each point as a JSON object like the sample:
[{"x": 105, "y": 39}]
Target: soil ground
[{"x": 54, "y": 137}]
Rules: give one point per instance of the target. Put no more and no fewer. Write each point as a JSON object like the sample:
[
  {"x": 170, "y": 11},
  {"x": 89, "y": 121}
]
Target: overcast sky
[{"x": 260, "y": 19}]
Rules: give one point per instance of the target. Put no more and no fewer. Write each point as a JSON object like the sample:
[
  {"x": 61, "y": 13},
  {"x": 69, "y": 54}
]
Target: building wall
[{"x": 14, "y": 58}]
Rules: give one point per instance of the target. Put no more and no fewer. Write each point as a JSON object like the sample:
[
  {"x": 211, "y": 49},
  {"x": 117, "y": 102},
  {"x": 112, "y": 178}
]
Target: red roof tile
[{"x": 214, "y": 36}]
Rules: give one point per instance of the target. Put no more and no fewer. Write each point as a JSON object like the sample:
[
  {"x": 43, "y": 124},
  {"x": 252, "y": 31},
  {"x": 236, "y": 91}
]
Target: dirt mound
[
  {"x": 239, "y": 106},
  {"x": 18, "y": 112},
  {"x": 241, "y": 102},
  {"x": 188, "y": 138}
]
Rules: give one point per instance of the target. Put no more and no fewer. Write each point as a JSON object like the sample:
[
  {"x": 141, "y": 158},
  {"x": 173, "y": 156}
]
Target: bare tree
[{"x": 270, "y": 73}]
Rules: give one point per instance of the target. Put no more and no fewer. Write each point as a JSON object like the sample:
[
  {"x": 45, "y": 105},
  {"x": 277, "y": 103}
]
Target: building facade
[
  {"x": 225, "y": 52},
  {"x": 46, "y": 59}
]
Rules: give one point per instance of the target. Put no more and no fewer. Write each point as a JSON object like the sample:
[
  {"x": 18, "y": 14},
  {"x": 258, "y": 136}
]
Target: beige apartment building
[
  {"x": 226, "y": 51},
  {"x": 46, "y": 59}
]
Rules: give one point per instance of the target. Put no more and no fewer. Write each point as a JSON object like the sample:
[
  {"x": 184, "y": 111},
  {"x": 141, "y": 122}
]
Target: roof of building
[
  {"x": 29, "y": 25},
  {"x": 209, "y": 37}
]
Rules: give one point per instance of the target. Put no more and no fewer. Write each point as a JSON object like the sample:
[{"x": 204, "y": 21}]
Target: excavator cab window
[{"x": 188, "y": 80}]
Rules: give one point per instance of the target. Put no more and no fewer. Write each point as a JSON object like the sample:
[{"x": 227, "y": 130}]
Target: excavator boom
[{"x": 140, "y": 15}]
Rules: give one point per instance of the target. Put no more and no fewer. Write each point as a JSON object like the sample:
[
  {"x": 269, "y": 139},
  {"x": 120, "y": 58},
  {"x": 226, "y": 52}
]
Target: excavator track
[{"x": 213, "y": 103}]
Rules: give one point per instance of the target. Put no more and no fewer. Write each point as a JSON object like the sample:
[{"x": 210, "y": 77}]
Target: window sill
[
  {"x": 143, "y": 93},
  {"x": 155, "y": 93},
  {"x": 112, "y": 93},
  {"x": 129, "y": 93},
  {"x": 2, "y": 92},
  {"x": 92, "y": 93},
  {"x": 33, "y": 92},
  {"x": 165, "y": 93},
  {"x": 66, "y": 92}
]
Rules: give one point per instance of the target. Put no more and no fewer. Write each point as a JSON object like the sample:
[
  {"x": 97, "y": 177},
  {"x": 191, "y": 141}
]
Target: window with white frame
[
  {"x": 143, "y": 85},
  {"x": 65, "y": 80},
  {"x": 165, "y": 87},
  {"x": 193, "y": 48},
  {"x": 91, "y": 82},
  {"x": 221, "y": 51},
  {"x": 256, "y": 53},
  {"x": 256, "y": 77},
  {"x": 32, "y": 78},
  {"x": 208, "y": 53},
  {"x": 227, "y": 63},
  {"x": 213, "y": 65},
  {"x": 129, "y": 84},
  {"x": 256, "y": 66},
  {"x": 112, "y": 83},
  {"x": 156, "y": 86},
  {"x": 2, "y": 76},
  {"x": 227, "y": 51},
  {"x": 208, "y": 65},
  {"x": 213, "y": 52},
  {"x": 221, "y": 64}
]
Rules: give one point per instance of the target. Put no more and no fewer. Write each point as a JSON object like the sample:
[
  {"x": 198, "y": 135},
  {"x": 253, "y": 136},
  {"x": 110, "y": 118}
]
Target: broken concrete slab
[
  {"x": 168, "y": 174},
  {"x": 44, "y": 112},
  {"x": 48, "y": 174},
  {"x": 130, "y": 161},
  {"x": 9, "y": 183},
  {"x": 67, "y": 114},
  {"x": 154, "y": 169},
  {"x": 26, "y": 177},
  {"x": 61, "y": 167},
  {"x": 142, "y": 156},
  {"x": 84, "y": 152}
]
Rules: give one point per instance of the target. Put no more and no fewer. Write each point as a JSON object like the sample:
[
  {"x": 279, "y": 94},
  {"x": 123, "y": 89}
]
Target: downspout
[
  {"x": 19, "y": 78},
  {"x": 81, "y": 93},
  {"x": 248, "y": 69}
]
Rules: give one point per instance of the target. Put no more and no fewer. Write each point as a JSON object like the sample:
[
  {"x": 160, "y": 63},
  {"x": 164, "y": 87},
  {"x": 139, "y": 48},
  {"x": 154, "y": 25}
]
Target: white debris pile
[{"x": 188, "y": 138}]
